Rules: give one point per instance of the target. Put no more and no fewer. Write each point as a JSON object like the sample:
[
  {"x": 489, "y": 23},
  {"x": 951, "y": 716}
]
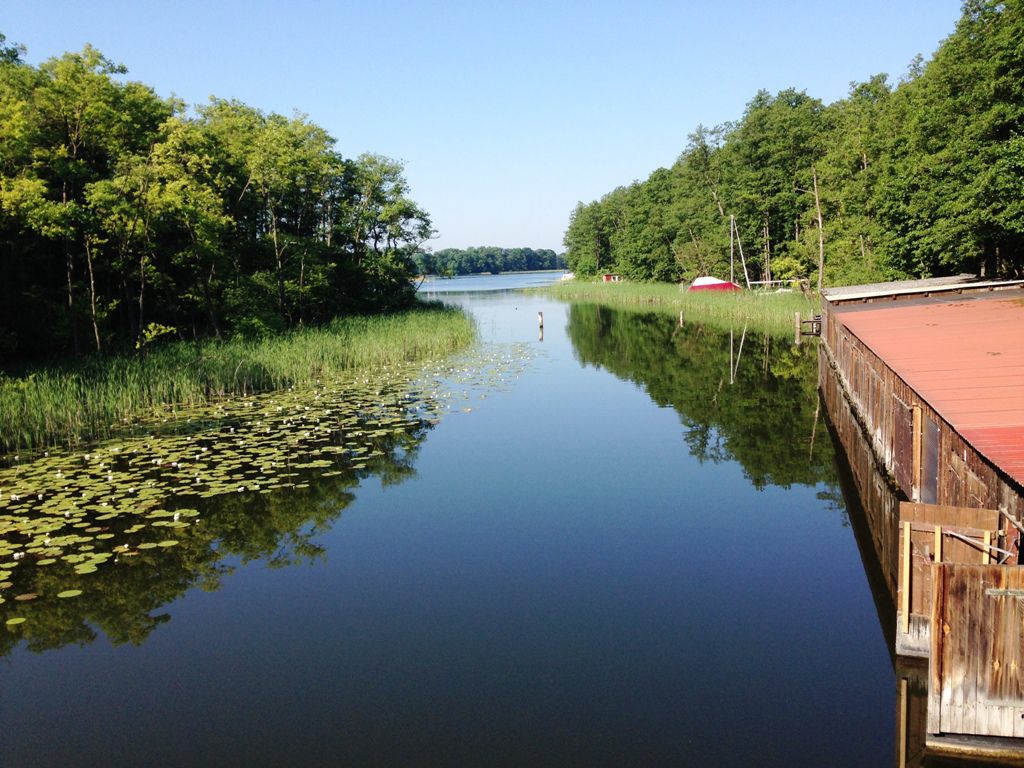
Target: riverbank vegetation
[
  {"x": 761, "y": 311},
  {"x": 914, "y": 179},
  {"x": 97, "y": 397},
  {"x": 125, "y": 217},
  {"x": 472, "y": 261}
]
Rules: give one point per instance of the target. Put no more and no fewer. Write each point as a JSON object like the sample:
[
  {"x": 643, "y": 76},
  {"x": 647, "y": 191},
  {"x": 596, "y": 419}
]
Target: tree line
[
  {"x": 917, "y": 179},
  {"x": 472, "y": 261},
  {"x": 125, "y": 217}
]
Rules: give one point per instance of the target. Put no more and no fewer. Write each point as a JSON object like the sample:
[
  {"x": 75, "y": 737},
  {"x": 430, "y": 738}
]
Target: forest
[
  {"x": 473, "y": 261},
  {"x": 920, "y": 178},
  {"x": 126, "y": 217}
]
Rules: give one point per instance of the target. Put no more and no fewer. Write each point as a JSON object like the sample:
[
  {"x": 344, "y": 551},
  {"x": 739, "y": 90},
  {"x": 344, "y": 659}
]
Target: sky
[{"x": 506, "y": 114}]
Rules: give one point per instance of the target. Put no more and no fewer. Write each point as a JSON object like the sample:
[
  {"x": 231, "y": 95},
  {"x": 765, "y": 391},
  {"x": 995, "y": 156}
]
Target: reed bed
[
  {"x": 66, "y": 406},
  {"x": 763, "y": 311}
]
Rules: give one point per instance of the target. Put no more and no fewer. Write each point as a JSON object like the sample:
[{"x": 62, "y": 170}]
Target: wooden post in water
[
  {"x": 796, "y": 330},
  {"x": 904, "y": 717},
  {"x": 680, "y": 318},
  {"x": 540, "y": 319}
]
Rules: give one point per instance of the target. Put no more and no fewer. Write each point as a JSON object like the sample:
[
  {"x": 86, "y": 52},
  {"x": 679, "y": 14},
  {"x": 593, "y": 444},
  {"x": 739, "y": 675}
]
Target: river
[{"x": 627, "y": 546}]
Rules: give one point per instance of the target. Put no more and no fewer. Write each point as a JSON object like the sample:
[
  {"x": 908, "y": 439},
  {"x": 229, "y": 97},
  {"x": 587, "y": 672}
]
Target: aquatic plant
[
  {"x": 67, "y": 406},
  {"x": 129, "y": 524}
]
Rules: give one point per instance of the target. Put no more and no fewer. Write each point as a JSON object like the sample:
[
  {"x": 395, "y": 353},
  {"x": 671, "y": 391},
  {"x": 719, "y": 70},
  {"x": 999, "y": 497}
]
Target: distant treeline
[
  {"x": 472, "y": 261},
  {"x": 919, "y": 179},
  {"x": 122, "y": 218}
]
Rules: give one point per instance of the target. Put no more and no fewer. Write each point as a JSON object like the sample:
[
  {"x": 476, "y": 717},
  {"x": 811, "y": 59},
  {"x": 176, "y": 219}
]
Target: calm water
[{"x": 631, "y": 554}]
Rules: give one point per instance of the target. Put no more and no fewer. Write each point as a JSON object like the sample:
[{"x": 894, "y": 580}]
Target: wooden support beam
[
  {"x": 905, "y": 580},
  {"x": 938, "y": 543},
  {"x": 916, "y": 478}
]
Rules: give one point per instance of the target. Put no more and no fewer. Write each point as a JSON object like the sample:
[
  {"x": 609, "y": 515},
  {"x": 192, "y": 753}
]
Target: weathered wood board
[
  {"x": 914, "y": 586},
  {"x": 976, "y": 668}
]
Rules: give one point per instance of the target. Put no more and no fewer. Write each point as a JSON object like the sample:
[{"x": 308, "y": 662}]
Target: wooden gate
[{"x": 976, "y": 669}]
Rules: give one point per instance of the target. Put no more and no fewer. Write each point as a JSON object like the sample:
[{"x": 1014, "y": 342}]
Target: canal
[{"x": 621, "y": 542}]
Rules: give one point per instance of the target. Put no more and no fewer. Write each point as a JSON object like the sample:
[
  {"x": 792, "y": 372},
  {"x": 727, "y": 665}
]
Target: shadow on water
[
  {"x": 740, "y": 396},
  {"x": 99, "y": 542}
]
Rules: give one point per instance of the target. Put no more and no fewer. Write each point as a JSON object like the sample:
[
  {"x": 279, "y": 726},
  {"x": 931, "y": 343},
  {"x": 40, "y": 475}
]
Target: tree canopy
[
  {"x": 917, "y": 179},
  {"x": 124, "y": 217},
  {"x": 472, "y": 261}
]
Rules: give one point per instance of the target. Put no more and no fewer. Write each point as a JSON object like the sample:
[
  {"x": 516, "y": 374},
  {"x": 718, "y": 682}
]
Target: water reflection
[
  {"x": 741, "y": 396},
  {"x": 98, "y": 542}
]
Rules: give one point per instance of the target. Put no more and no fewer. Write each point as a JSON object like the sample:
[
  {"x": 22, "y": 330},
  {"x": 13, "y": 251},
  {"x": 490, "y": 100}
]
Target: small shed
[{"x": 609, "y": 278}]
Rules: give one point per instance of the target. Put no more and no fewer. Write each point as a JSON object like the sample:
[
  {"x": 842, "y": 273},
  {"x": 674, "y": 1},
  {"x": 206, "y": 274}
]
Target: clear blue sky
[{"x": 505, "y": 114}]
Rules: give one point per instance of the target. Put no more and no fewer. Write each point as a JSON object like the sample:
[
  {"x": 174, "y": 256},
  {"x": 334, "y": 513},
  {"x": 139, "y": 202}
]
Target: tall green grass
[
  {"x": 764, "y": 311},
  {"x": 65, "y": 406}
]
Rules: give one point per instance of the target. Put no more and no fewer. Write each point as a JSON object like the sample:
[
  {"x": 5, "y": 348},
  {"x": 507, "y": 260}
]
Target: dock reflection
[{"x": 872, "y": 503}]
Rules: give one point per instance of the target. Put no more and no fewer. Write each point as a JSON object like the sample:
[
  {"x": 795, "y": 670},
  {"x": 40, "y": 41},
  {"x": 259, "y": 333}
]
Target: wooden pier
[{"x": 924, "y": 385}]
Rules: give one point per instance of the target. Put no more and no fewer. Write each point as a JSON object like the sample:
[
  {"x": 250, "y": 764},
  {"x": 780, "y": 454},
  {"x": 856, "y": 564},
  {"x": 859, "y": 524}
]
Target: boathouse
[{"x": 933, "y": 372}]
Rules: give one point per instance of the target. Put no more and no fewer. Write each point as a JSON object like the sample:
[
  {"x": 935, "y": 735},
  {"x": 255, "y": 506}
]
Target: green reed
[
  {"x": 69, "y": 405},
  {"x": 764, "y": 311}
]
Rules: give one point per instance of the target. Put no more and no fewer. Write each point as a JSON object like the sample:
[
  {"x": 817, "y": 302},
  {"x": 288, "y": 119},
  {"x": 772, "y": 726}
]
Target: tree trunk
[
  {"x": 92, "y": 297},
  {"x": 302, "y": 283},
  {"x": 278, "y": 265},
  {"x": 209, "y": 302},
  {"x": 69, "y": 267},
  {"x": 821, "y": 231},
  {"x": 141, "y": 338}
]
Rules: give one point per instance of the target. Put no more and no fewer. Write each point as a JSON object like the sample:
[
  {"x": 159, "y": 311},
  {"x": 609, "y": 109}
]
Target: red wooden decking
[{"x": 964, "y": 356}]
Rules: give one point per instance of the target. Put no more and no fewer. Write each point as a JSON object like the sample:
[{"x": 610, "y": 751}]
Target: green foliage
[
  {"x": 470, "y": 261},
  {"x": 118, "y": 211},
  {"x": 923, "y": 179}
]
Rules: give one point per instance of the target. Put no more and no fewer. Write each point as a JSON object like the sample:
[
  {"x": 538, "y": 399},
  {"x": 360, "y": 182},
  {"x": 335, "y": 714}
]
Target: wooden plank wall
[
  {"x": 877, "y": 496},
  {"x": 976, "y": 668},
  {"x": 937, "y": 534}
]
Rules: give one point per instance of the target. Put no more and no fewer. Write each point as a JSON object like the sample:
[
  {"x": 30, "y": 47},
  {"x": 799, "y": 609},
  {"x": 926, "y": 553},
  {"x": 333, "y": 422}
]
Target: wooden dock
[{"x": 924, "y": 385}]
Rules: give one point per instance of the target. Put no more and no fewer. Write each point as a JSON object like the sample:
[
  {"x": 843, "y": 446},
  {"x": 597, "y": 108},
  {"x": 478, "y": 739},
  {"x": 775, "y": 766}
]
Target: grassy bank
[
  {"x": 66, "y": 406},
  {"x": 766, "y": 312}
]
